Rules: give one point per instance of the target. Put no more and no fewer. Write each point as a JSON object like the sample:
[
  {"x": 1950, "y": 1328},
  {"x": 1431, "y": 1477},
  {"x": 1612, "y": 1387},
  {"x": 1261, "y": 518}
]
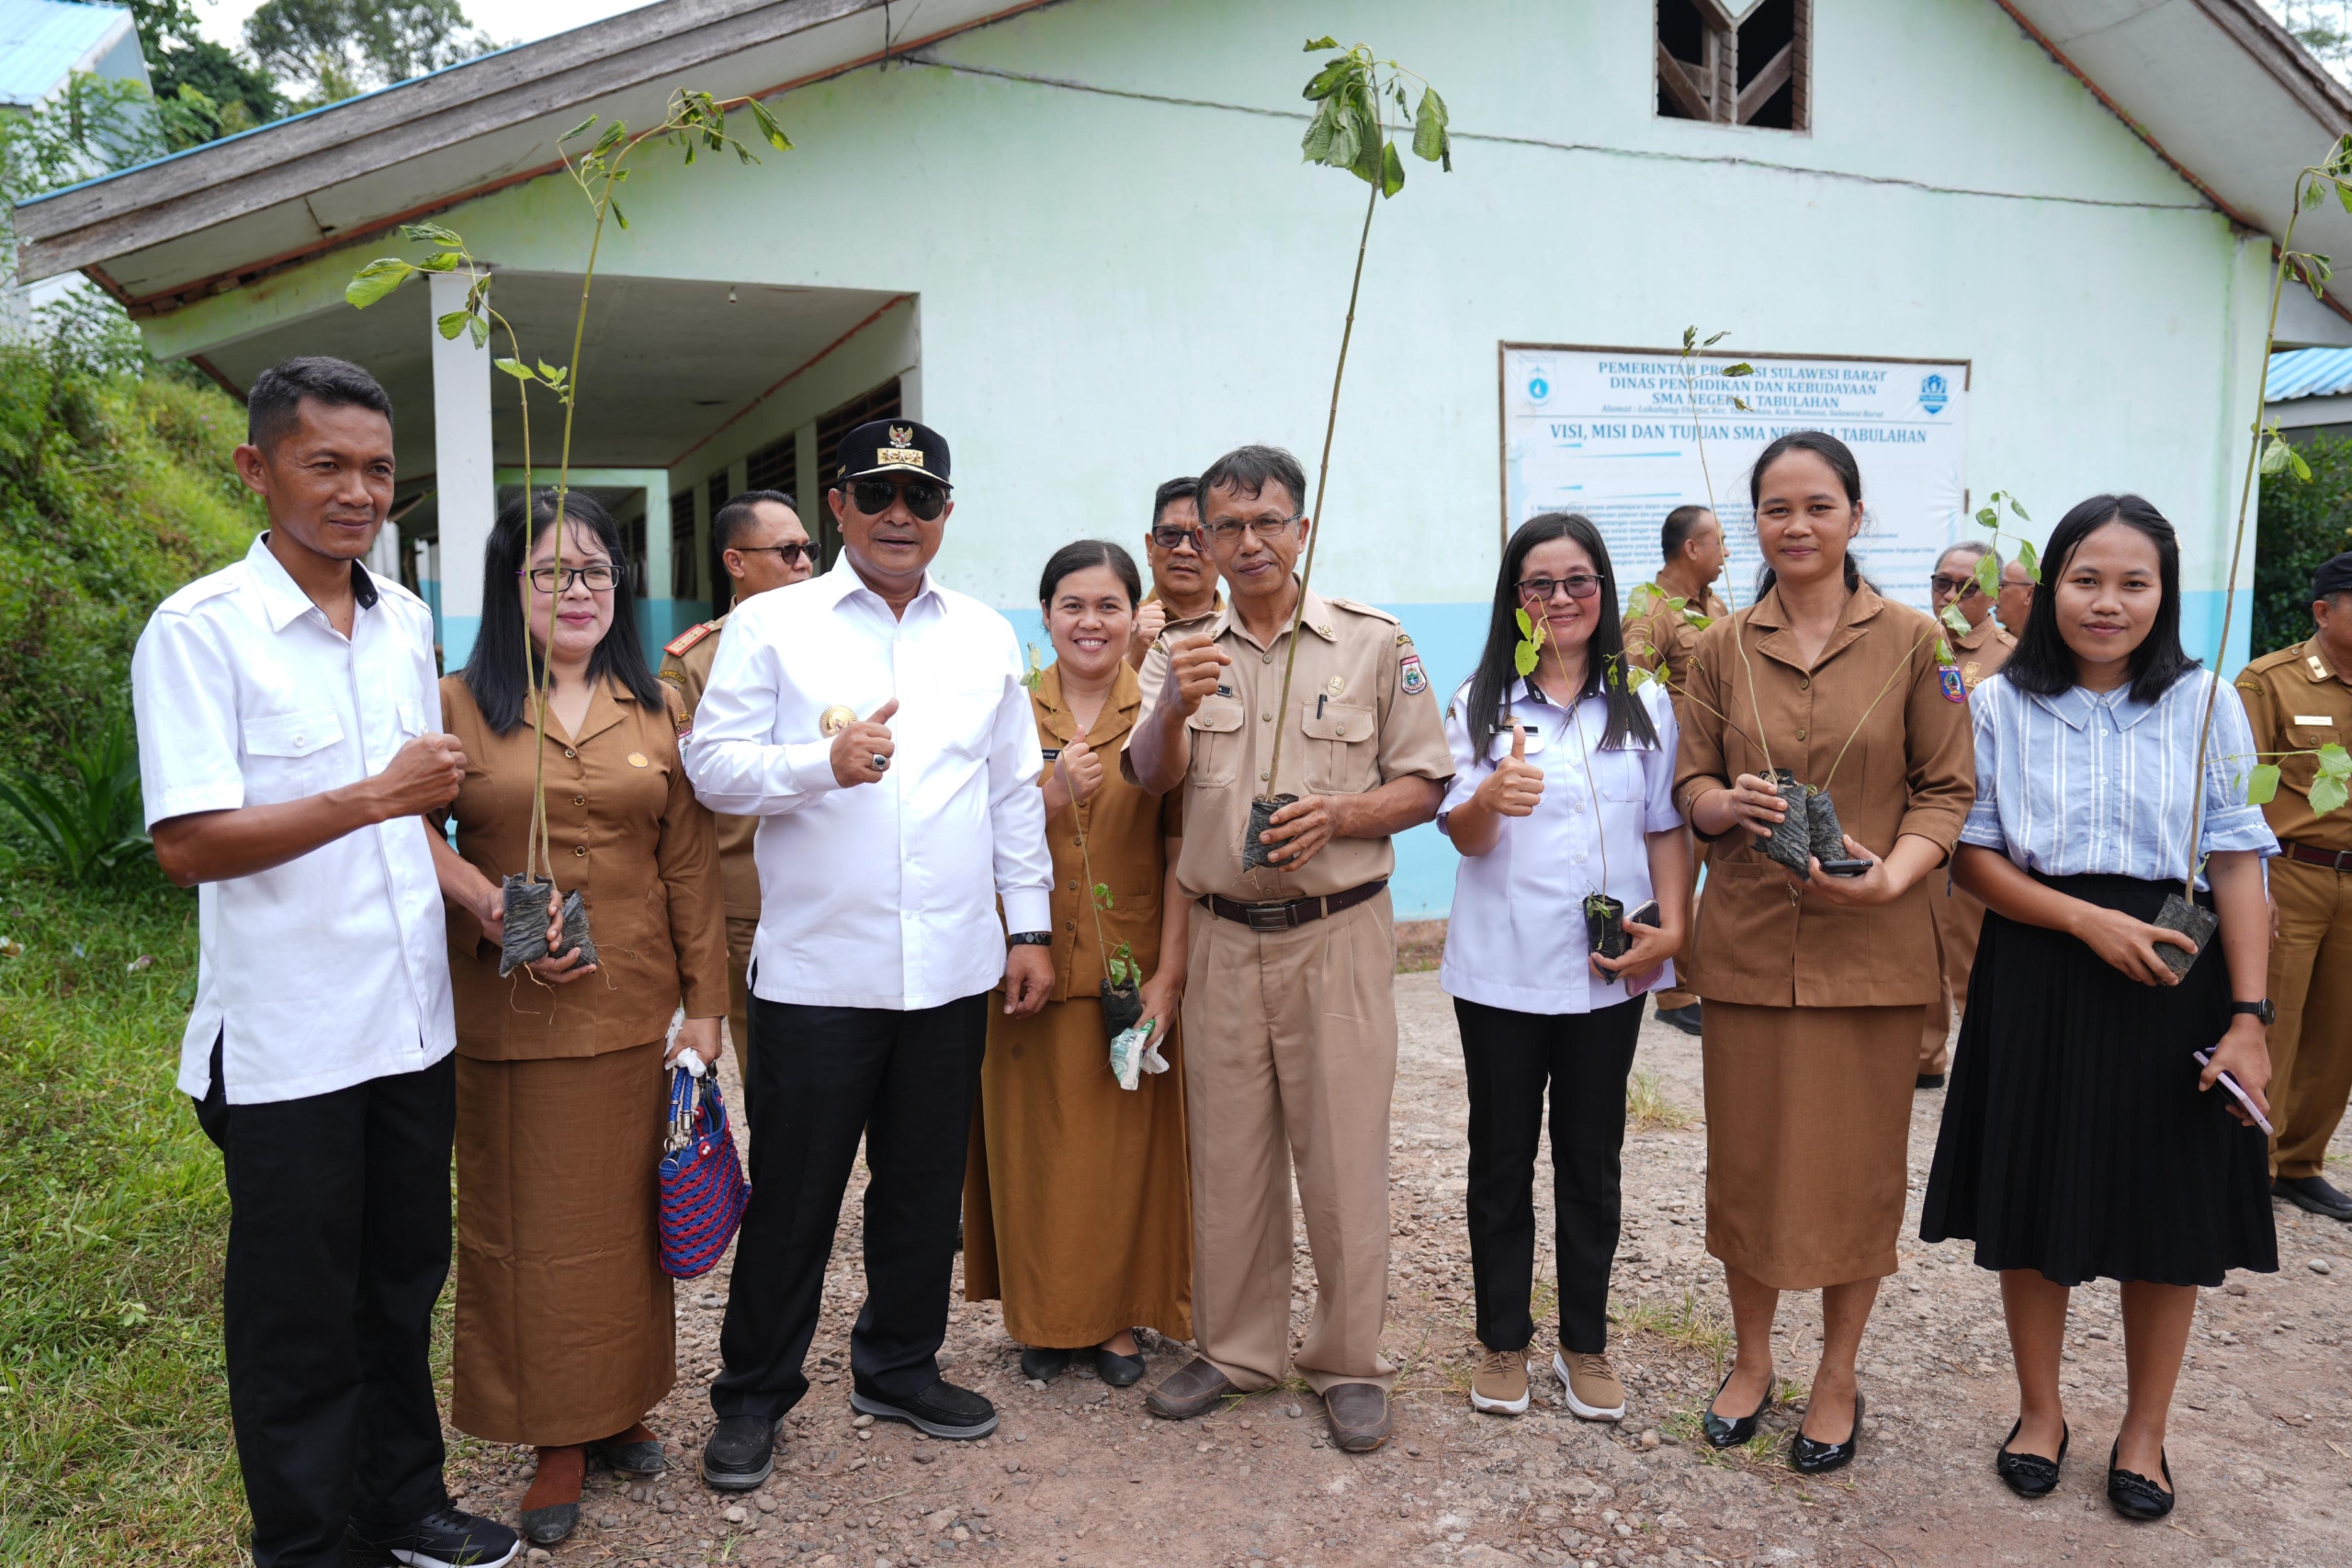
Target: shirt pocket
[
  {"x": 411, "y": 718},
  {"x": 1618, "y": 776},
  {"x": 1342, "y": 753},
  {"x": 1215, "y": 728},
  {"x": 290, "y": 755}
]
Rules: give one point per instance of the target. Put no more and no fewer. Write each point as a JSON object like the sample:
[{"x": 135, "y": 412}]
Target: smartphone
[
  {"x": 2228, "y": 1082},
  {"x": 1846, "y": 868},
  {"x": 1644, "y": 916}
]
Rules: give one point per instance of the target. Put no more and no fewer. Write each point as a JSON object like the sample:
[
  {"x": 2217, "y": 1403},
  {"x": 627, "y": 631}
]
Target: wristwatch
[
  {"x": 1030, "y": 939},
  {"x": 2261, "y": 1010}
]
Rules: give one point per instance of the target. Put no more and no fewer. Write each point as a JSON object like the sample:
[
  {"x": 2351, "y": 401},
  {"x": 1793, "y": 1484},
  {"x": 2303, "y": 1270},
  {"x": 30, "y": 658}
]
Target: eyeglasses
[
  {"x": 1963, "y": 586},
  {"x": 1266, "y": 530},
  {"x": 601, "y": 576},
  {"x": 790, "y": 555},
  {"x": 1167, "y": 536},
  {"x": 925, "y": 498},
  {"x": 1542, "y": 588}
]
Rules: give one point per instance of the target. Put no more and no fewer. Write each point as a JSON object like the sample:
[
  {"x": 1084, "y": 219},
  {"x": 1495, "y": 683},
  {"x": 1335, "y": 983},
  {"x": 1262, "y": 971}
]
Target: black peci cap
[
  {"x": 2333, "y": 577},
  {"x": 893, "y": 446}
]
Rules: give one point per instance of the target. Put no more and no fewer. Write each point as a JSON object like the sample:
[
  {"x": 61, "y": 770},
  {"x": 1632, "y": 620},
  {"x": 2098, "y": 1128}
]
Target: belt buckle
[
  {"x": 2343, "y": 862},
  {"x": 1268, "y": 917}
]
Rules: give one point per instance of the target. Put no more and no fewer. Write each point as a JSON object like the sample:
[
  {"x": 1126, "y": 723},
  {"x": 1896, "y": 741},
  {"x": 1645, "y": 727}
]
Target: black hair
[
  {"x": 1248, "y": 471},
  {"x": 274, "y": 404},
  {"x": 494, "y": 671},
  {"x": 1840, "y": 458},
  {"x": 1085, "y": 553},
  {"x": 2042, "y": 663},
  {"x": 1186, "y": 488},
  {"x": 1629, "y": 720},
  {"x": 1677, "y": 531},
  {"x": 732, "y": 521}
]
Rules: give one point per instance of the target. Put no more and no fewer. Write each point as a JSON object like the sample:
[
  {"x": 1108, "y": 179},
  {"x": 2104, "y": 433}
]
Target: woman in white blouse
[
  {"x": 2082, "y": 1139},
  {"x": 1562, "y": 790}
]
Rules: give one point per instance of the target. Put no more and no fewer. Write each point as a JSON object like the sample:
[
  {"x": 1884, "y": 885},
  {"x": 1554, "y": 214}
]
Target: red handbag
[{"x": 703, "y": 1189}]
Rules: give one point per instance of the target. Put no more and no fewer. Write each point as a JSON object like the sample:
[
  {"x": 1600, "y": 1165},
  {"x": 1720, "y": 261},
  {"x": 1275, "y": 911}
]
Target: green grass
[
  {"x": 114, "y": 1417},
  {"x": 1648, "y": 1107}
]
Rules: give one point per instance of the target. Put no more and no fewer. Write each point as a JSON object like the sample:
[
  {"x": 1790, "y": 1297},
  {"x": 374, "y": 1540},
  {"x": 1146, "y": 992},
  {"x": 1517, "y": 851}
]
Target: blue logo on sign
[
  {"x": 1934, "y": 393},
  {"x": 1539, "y": 388}
]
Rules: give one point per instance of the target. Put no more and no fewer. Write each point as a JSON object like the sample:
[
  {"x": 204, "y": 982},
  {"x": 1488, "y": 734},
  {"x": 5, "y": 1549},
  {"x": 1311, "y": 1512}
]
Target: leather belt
[
  {"x": 1290, "y": 916},
  {"x": 2334, "y": 860}
]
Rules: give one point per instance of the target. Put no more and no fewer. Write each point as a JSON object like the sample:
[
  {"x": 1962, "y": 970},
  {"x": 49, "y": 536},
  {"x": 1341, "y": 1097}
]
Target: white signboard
[{"x": 1608, "y": 431}]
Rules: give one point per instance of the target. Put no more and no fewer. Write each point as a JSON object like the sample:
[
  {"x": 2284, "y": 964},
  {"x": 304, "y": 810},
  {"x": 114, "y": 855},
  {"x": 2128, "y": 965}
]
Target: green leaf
[
  {"x": 553, "y": 375},
  {"x": 2027, "y": 557},
  {"x": 1943, "y": 651},
  {"x": 1328, "y": 80},
  {"x": 432, "y": 234},
  {"x": 1733, "y": 372},
  {"x": 2335, "y": 762},
  {"x": 2019, "y": 510},
  {"x": 2262, "y": 784},
  {"x": 769, "y": 129},
  {"x": 375, "y": 281},
  {"x": 481, "y": 331},
  {"x": 613, "y": 133},
  {"x": 453, "y": 323},
  {"x": 1429, "y": 126},
  {"x": 1636, "y": 677},
  {"x": 1391, "y": 170},
  {"x": 2343, "y": 195},
  {"x": 1951, "y": 616},
  {"x": 2328, "y": 794},
  {"x": 1690, "y": 336},
  {"x": 1696, "y": 621},
  {"x": 1526, "y": 627},
  {"x": 618, "y": 216},
  {"x": 1988, "y": 576},
  {"x": 1522, "y": 658},
  {"x": 2275, "y": 453},
  {"x": 516, "y": 368},
  {"x": 1103, "y": 895},
  {"x": 1987, "y": 518},
  {"x": 1316, "y": 145},
  {"x": 1314, "y": 43},
  {"x": 580, "y": 130},
  {"x": 1716, "y": 339}
]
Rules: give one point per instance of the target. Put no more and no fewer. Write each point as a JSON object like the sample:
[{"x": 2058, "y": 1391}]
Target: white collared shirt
[
  {"x": 333, "y": 968},
  {"x": 1515, "y": 936},
  {"x": 883, "y": 895}
]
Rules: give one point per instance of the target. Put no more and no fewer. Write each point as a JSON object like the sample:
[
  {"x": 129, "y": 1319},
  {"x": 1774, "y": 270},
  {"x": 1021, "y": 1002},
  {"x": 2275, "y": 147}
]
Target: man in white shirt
[
  {"x": 885, "y": 843},
  {"x": 288, "y": 714}
]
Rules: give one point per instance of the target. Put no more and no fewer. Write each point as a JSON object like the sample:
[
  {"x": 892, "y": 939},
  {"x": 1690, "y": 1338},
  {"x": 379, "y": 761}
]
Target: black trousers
[
  {"x": 1509, "y": 1057},
  {"x": 338, "y": 1248},
  {"x": 824, "y": 1077}
]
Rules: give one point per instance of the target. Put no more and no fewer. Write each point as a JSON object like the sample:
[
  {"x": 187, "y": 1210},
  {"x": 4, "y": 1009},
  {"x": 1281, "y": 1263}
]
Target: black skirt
[{"x": 2075, "y": 1141}]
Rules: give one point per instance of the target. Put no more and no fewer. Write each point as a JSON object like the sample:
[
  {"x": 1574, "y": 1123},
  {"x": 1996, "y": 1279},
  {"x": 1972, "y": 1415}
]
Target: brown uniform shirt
[
  {"x": 1187, "y": 627},
  {"x": 1982, "y": 652},
  {"x": 685, "y": 666},
  {"x": 2296, "y": 703},
  {"x": 1661, "y": 637},
  {"x": 1126, "y": 832},
  {"x": 1911, "y": 769},
  {"x": 623, "y": 826},
  {"x": 1361, "y": 713}
]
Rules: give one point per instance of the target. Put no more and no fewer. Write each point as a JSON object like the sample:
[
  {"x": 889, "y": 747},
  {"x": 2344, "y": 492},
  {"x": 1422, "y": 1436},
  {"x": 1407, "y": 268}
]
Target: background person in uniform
[
  {"x": 878, "y": 721},
  {"x": 2080, "y": 1141},
  {"x": 763, "y": 545},
  {"x": 2299, "y": 699},
  {"x": 1813, "y": 988},
  {"x": 1563, "y": 785},
  {"x": 565, "y": 1334},
  {"x": 2014, "y": 604},
  {"x": 1691, "y": 546},
  {"x": 287, "y": 749},
  {"x": 1290, "y": 1020},
  {"x": 1959, "y": 917},
  {"x": 1077, "y": 1209},
  {"x": 1183, "y": 580}
]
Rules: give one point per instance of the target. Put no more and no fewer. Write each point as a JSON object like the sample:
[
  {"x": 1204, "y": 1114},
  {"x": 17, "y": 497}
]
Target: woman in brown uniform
[
  {"x": 564, "y": 1334},
  {"x": 1077, "y": 1197},
  {"x": 1814, "y": 984}
]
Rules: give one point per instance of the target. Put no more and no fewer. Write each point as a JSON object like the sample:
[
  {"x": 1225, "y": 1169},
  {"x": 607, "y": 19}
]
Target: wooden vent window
[{"x": 1735, "y": 61}]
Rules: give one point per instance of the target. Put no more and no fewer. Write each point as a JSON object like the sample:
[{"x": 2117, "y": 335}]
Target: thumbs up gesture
[{"x": 1516, "y": 785}]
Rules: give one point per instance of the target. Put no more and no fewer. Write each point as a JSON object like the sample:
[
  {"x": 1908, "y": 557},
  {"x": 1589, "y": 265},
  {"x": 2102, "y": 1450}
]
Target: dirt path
[{"x": 2261, "y": 1439}]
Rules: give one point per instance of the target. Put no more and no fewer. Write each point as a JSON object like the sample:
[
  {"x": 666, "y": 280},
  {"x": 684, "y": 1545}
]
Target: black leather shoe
[
  {"x": 1723, "y": 1433},
  {"x": 643, "y": 1457},
  {"x": 1042, "y": 1364},
  {"x": 2031, "y": 1475},
  {"x": 1930, "y": 1081},
  {"x": 2313, "y": 1194},
  {"x": 544, "y": 1527},
  {"x": 1808, "y": 1456},
  {"x": 942, "y": 1410},
  {"x": 2136, "y": 1497},
  {"x": 1685, "y": 1018},
  {"x": 1119, "y": 1372},
  {"x": 741, "y": 1454}
]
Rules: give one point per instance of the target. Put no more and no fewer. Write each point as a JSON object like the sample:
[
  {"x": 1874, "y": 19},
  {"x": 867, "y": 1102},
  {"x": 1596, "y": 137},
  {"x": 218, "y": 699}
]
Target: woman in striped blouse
[{"x": 2080, "y": 1139}]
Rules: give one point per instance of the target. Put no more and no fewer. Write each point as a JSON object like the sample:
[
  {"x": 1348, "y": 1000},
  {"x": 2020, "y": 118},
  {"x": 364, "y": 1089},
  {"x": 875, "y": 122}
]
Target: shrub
[{"x": 2299, "y": 525}]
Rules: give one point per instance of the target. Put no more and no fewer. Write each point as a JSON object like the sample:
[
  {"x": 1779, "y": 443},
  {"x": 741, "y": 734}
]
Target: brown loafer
[
  {"x": 1359, "y": 1413},
  {"x": 1191, "y": 1390}
]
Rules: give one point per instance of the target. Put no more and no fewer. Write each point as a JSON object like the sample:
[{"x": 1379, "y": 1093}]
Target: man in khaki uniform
[
  {"x": 2299, "y": 699},
  {"x": 763, "y": 545},
  {"x": 2013, "y": 606},
  {"x": 1660, "y": 640},
  {"x": 1290, "y": 1020},
  {"x": 1960, "y": 917},
  {"x": 1183, "y": 580}
]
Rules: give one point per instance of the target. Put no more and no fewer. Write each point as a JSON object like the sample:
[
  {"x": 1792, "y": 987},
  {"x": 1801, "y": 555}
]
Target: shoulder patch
[
  {"x": 687, "y": 638},
  {"x": 675, "y": 677},
  {"x": 1410, "y": 677}
]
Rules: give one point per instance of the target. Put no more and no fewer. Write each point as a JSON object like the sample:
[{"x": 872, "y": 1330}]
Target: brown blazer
[
  {"x": 623, "y": 826},
  {"x": 1125, "y": 832},
  {"x": 1911, "y": 769}
]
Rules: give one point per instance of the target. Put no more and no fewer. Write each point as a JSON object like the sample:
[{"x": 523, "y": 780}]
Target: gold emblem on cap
[
  {"x": 902, "y": 435},
  {"x": 637, "y": 759},
  {"x": 835, "y": 719}
]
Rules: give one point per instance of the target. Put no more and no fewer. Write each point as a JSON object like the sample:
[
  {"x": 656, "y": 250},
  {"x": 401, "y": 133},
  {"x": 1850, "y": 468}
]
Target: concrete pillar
[{"x": 466, "y": 492}]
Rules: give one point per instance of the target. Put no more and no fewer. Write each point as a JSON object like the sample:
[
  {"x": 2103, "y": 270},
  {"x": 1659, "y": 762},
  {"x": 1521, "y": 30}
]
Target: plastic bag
[
  {"x": 526, "y": 924},
  {"x": 1135, "y": 1052}
]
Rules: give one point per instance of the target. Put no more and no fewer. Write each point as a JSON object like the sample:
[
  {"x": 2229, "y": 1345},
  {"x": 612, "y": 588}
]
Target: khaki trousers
[
  {"x": 1959, "y": 921},
  {"x": 1290, "y": 1058},
  {"x": 2311, "y": 984},
  {"x": 741, "y": 929},
  {"x": 1668, "y": 1000}
]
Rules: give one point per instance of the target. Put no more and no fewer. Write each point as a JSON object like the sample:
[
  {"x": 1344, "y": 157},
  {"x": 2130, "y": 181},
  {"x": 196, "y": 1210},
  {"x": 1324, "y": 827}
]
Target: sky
[{"x": 509, "y": 21}]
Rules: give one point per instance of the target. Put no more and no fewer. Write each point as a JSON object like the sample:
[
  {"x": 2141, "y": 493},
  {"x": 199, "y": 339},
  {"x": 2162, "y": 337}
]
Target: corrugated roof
[
  {"x": 42, "y": 41},
  {"x": 2308, "y": 373}
]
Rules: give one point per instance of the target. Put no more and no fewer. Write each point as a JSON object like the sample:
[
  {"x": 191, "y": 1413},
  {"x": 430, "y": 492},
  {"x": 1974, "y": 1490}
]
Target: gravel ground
[{"x": 1078, "y": 1474}]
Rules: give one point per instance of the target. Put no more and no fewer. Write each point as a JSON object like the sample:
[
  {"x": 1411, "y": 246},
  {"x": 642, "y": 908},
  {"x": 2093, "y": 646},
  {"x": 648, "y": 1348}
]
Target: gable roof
[{"x": 44, "y": 41}]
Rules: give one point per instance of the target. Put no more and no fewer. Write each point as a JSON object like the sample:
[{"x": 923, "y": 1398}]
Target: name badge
[
  {"x": 1053, "y": 753},
  {"x": 2319, "y": 718}
]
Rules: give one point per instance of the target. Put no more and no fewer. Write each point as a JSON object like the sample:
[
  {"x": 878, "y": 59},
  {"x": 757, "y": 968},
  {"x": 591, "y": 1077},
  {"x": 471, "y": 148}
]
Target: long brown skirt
[
  {"x": 564, "y": 1330},
  {"x": 1808, "y": 1132},
  {"x": 1078, "y": 1198}
]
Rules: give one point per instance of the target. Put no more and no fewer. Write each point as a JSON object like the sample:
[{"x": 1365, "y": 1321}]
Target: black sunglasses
[
  {"x": 790, "y": 555},
  {"x": 1169, "y": 537},
  {"x": 925, "y": 498},
  {"x": 1542, "y": 588}
]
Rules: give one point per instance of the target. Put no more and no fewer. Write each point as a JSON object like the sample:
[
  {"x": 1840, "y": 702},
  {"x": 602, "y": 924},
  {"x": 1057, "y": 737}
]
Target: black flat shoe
[
  {"x": 1930, "y": 1081},
  {"x": 544, "y": 1527},
  {"x": 1685, "y": 1018},
  {"x": 2031, "y": 1475},
  {"x": 2136, "y": 1497},
  {"x": 1044, "y": 1365},
  {"x": 1726, "y": 1434},
  {"x": 2313, "y": 1194},
  {"x": 1119, "y": 1372},
  {"x": 1807, "y": 1456}
]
